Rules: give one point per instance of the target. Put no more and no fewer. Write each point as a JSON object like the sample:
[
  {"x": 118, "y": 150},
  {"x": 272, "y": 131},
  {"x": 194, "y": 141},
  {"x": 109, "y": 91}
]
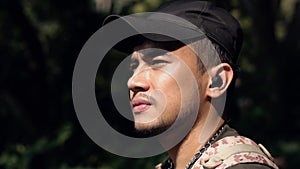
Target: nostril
[
  {"x": 138, "y": 83},
  {"x": 138, "y": 89}
]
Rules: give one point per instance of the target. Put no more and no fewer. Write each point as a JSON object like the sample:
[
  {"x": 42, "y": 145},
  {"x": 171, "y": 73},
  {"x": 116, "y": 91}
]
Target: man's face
[{"x": 164, "y": 85}]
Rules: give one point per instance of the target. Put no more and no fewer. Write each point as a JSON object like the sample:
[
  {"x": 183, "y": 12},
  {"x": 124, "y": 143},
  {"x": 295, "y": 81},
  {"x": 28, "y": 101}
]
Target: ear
[{"x": 221, "y": 77}]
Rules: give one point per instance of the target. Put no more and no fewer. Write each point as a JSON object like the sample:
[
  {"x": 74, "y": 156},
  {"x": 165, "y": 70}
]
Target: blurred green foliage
[{"x": 39, "y": 45}]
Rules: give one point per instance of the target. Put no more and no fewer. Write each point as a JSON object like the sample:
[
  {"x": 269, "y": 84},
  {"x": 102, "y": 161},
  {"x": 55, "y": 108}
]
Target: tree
[{"x": 40, "y": 42}]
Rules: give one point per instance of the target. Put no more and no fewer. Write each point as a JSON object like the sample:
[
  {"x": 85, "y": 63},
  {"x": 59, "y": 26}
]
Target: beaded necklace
[{"x": 168, "y": 164}]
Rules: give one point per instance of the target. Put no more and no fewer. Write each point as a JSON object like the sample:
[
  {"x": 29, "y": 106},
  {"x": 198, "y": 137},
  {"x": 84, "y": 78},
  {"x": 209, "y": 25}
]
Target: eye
[
  {"x": 133, "y": 65},
  {"x": 158, "y": 62}
]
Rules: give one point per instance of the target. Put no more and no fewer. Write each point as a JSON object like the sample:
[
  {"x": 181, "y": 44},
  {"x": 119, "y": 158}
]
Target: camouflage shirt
[{"x": 239, "y": 152}]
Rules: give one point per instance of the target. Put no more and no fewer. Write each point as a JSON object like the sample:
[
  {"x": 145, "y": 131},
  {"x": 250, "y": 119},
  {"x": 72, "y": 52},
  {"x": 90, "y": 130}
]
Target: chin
[
  {"x": 150, "y": 129},
  {"x": 145, "y": 126}
]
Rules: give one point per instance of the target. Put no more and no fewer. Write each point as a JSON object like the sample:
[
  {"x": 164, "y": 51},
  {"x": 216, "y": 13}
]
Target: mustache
[{"x": 147, "y": 97}]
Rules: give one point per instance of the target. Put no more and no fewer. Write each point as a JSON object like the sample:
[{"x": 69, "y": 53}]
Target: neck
[{"x": 182, "y": 153}]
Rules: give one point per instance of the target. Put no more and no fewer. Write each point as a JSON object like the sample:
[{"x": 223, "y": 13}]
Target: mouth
[{"x": 140, "y": 105}]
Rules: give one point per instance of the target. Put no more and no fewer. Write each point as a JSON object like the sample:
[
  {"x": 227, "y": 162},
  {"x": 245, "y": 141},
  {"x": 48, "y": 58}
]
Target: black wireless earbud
[{"x": 216, "y": 82}]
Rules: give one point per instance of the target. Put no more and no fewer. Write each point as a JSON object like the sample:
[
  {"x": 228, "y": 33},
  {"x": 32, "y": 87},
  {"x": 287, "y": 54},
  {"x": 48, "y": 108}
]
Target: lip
[{"x": 140, "y": 105}]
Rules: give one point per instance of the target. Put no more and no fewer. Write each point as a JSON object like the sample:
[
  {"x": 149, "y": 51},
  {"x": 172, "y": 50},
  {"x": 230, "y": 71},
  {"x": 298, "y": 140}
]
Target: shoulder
[
  {"x": 250, "y": 166},
  {"x": 236, "y": 152}
]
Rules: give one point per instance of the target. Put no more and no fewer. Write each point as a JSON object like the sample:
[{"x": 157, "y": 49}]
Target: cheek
[
  {"x": 188, "y": 88},
  {"x": 168, "y": 87},
  {"x": 168, "y": 84}
]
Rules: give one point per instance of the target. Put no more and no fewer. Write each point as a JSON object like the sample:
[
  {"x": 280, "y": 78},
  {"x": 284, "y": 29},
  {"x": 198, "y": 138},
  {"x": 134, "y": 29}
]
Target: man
[{"x": 191, "y": 80}]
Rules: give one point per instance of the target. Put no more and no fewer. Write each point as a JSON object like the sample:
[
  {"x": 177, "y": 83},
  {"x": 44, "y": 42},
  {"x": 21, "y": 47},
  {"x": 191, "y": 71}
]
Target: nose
[{"x": 138, "y": 83}]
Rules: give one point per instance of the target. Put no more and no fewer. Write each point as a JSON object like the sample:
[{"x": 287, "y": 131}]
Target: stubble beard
[{"x": 150, "y": 130}]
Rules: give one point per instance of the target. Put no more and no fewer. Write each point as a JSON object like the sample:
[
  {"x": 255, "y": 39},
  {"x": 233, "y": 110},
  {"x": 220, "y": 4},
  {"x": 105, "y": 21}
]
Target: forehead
[
  {"x": 150, "y": 49},
  {"x": 178, "y": 49},
  {"x": 168, "y": 46}
]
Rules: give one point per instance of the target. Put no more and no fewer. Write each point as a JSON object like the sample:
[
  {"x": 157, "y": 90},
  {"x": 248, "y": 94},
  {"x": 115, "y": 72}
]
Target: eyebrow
[{"x": 151, "y": 53}]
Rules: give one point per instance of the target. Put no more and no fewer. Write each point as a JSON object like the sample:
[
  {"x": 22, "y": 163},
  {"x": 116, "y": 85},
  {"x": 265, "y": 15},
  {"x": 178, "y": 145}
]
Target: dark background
[{"x": 40, "y": 42}]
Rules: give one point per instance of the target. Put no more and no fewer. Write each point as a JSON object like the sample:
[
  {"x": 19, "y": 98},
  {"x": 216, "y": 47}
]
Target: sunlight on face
[{"x": 161, "y": 87}]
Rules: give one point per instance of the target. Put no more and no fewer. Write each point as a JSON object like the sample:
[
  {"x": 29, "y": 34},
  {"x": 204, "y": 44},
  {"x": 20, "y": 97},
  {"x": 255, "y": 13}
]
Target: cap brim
[{"x": 159, "y": 27}]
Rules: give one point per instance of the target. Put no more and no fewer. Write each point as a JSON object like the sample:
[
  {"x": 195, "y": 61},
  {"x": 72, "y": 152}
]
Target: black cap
[{"x": 216, "y": 23}]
